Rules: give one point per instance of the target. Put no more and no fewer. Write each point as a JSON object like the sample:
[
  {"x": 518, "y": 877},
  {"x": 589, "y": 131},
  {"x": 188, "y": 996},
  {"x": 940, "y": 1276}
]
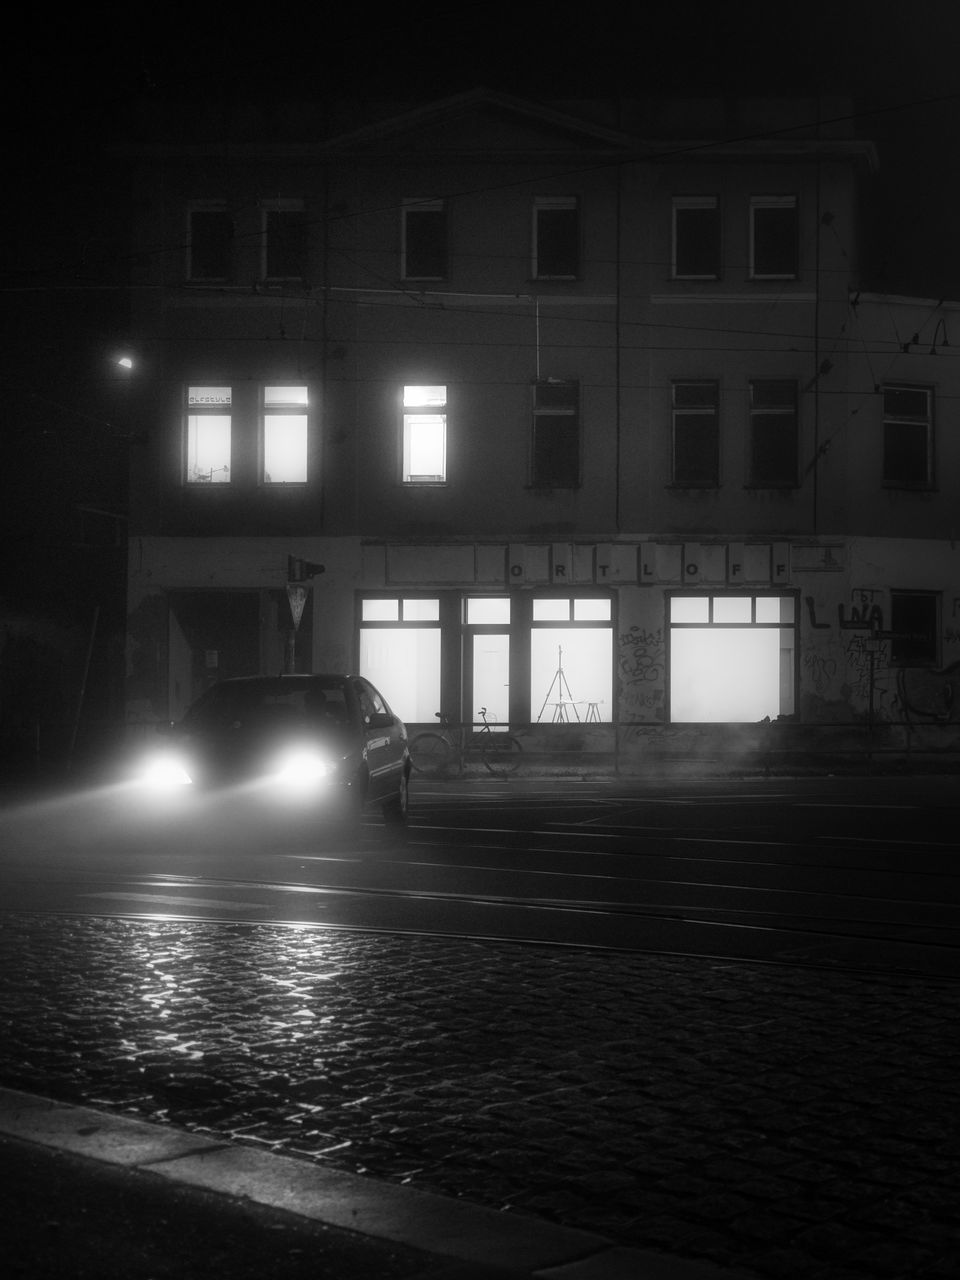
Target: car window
[
  {"x": 370, "y": 701},
  {"x": 271, "y": 704}
]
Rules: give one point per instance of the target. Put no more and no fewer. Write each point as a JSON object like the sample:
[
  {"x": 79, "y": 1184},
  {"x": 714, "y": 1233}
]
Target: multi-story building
[{"x": 584, "y": 419}]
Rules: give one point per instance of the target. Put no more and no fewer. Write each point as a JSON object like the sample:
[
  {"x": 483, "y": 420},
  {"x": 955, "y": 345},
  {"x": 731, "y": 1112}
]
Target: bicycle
[{"x": 438, "y": 755}]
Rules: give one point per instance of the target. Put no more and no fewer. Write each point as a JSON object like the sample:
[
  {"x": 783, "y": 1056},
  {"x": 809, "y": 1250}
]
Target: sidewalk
[{"x": 85, "y": 1193}]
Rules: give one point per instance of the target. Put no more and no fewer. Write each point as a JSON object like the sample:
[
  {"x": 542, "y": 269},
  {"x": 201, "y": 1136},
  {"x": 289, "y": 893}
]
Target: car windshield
[{"x": 271, "y": 704}]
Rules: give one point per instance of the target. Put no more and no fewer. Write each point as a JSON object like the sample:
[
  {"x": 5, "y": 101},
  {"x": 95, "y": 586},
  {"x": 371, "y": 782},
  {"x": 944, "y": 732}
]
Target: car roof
[{"x": 327, "y": 678}]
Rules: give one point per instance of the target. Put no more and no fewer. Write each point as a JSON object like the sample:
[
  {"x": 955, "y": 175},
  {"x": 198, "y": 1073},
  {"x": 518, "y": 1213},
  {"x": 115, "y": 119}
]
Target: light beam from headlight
[
  {"x": 166, "y": 771},
  {"x": 301, "y": 769}
]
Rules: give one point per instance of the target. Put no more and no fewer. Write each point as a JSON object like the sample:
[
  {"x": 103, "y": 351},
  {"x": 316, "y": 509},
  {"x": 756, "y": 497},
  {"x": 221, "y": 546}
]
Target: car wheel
[{"x": 395, "y": 809}]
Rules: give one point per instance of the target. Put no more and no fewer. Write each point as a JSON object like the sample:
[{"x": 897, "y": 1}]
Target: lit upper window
[
  {"x": 424, "y": 449},
  {"x": 285, "y": 436},
  {"x": 208, "y": 435}
]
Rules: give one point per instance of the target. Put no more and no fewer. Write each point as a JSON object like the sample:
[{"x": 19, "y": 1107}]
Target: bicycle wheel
[
  {"x": 430, "y": 755},
  {"x": 501, "y": 754}
]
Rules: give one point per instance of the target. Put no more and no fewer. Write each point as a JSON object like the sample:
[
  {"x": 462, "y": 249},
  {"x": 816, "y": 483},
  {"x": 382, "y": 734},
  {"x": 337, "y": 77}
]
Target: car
[{"x": 301, "y": 740}]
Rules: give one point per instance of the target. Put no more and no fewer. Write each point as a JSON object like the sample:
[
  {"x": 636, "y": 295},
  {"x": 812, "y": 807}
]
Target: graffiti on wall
[
  {"x": 641, "y": 663},
  {"x": 849, "y": 664}
]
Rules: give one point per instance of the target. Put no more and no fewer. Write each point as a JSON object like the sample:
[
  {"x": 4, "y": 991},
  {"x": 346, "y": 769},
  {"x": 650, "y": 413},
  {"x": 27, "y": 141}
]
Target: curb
[{"x": 450, "y": 1229}]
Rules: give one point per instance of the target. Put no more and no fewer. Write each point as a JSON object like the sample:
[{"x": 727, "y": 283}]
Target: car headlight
[
  {"x": 166, "y": 771},
  {"x": 302, "y": 767}
]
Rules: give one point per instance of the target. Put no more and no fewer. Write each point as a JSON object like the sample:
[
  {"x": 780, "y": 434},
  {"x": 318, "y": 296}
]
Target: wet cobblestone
[{"x": 794, "y": 1122}]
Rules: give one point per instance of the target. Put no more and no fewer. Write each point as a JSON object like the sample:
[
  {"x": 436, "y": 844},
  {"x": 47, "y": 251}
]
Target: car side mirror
[{"x": 380, "y": 720}]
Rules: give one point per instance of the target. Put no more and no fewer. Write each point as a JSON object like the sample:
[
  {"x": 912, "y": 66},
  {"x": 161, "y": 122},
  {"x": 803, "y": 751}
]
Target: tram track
[{"x": 749, "y": 882}]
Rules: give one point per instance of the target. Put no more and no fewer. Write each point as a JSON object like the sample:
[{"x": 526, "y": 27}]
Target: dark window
[
  {"x": 211, "y": 244},
  {"x": 773, "y": 237},
  {"x": 773, "y": 434},
  {"x": 915, "y": 626},
  {"x": 907, "y": 437},
  {"x": 286, "y": 256},
  {"x": 556, "y": 238},
  {"x": 424, "y": 231},
  {"x": 556, "y": 436},
  {"x": 696, "y": 435},
  {"x": 696, "y": 238}
]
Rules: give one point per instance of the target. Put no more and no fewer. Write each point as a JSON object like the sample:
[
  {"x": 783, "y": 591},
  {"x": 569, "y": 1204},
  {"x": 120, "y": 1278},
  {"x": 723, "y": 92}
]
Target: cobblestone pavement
[{"x": 795, "y": 1122}]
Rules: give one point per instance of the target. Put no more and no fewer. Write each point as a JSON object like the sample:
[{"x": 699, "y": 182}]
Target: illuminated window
[
  {"x": 400, "y": 653},
  {"x": 907, "y": 437},
  {"x": 209, "y": 242},
  {"x": 208, "y": 435},
  {"x": 571, "y": 659},
  {"x": 284, "y": 240},
  {"x": 284, "y": 435},
  {"x": 555, "y": 453},
  {"x": 773, "y": 238},
  {"x": 424, "y": 458},
  {"x": 696, "y": 435},
  {"x": 696, "y": 238},
  {"x": 423, "y": 251},
  {"x": 556, "y": 238},
  {"x": 773, "y": 434},
  {"x": 732, "y": 658}
]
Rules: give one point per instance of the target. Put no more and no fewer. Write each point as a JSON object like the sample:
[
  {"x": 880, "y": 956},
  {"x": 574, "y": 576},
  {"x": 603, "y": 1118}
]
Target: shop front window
[
  {"x": 400, "y": 653},
  {"x": 732, "y": 658},
  {"x": 520, "y": 658},
  {"x": 571, "y": 659}
]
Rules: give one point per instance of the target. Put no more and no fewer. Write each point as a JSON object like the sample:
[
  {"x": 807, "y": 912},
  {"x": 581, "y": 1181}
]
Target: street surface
[
  {"x": 852, "y": 872},
  {"x": 720, "y": 1019}
]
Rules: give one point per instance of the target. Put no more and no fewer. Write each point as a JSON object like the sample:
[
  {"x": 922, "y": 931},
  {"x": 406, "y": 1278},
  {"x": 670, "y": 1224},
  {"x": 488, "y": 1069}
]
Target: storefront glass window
[
  {"x": 732, "y": 658},
  {"x": 400, "y": 653},
  {"x": 571, "y": 659}
]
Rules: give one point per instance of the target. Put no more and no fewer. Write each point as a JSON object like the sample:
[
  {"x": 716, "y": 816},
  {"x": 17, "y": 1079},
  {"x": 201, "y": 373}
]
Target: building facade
[{"x": 584, "y": 421}]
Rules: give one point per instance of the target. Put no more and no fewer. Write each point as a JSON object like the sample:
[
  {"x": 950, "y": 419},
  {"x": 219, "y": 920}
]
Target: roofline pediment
[{"x": 452, "y": 108}]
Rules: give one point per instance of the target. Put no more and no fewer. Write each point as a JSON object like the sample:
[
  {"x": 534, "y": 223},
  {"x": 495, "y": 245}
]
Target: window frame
[
  {"x": 426, "y": 409},
  {"x": 214, "y": 208},
  {"x": 285, "y": 205},
  {"x": 905, "y": 650},
  {"x": 193, "y": 415},
  {"x": 410, "y": 209},
  {"x": 545, "y": 205},
  {"x": 789, "y": 412},
  {"x": 709, "y": 622},
  {"x": 692, "y": 204},
  {"x": 680, "y": 413},
  {"x": 892, "y": 470},
  {"x": 759, "y": 205},
  {"x": 408, "y": 615},
  {"x": 541, "y": 412},
  {"x": 287, "y": 409}
]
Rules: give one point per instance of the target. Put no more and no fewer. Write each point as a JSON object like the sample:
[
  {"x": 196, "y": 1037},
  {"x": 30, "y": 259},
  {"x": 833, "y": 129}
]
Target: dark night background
[{"x": 72, "y": 83}]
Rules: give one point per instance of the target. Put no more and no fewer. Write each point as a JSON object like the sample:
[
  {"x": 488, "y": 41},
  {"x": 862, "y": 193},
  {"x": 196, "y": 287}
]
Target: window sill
[{"x": 756, "y": 486}]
